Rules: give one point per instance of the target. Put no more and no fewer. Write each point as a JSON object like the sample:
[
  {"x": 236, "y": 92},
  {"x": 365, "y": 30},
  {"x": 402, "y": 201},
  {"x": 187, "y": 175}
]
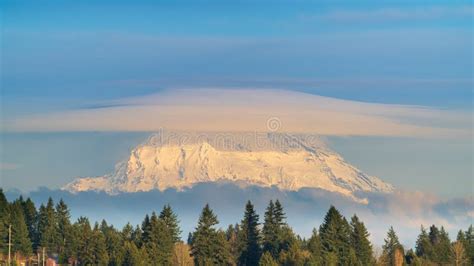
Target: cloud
[
  {"x": 208, "y": 109},
  {"x": 4, "y": 166},
  {"x": 305, "y": 209},
  {"x": 249, "y": 110}
]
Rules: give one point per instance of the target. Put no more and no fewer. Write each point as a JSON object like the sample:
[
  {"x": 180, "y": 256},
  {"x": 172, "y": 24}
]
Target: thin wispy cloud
[
  {"x": 5, "y": 166},
  {"x": 209, "y": 109}
]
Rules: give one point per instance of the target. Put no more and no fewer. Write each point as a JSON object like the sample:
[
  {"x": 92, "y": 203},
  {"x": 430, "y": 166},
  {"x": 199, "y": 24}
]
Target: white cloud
[{"x": 208, "y": 109}]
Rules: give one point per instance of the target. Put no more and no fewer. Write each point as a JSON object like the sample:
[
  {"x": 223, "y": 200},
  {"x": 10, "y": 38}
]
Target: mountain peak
[{"x": 181, "y": 159}]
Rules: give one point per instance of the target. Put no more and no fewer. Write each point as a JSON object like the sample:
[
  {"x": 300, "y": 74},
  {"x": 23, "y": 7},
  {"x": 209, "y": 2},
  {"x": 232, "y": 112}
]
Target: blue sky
[{"x": 58, "y": 56}]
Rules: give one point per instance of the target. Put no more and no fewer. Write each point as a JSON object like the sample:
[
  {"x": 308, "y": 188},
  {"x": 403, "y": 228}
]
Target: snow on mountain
[{"x": 180, "y": 160}]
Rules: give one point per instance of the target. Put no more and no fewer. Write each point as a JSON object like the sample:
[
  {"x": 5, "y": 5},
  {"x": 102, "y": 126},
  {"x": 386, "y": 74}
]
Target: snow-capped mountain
[{"x": 181, "y": 160}]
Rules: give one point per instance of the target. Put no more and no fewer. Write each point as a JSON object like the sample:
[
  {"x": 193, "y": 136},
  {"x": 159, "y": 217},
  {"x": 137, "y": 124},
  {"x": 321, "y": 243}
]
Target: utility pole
[
  {"x": 9, "y": 244},
  {"x": 43, "y": 256}
]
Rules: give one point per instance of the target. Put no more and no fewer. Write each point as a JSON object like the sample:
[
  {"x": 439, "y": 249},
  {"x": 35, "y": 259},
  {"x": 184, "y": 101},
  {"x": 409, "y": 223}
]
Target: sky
[{"x": 388, "y": 82}]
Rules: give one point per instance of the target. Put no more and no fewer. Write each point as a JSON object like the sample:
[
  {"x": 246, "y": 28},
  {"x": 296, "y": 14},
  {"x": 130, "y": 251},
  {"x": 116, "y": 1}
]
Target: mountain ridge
[{"x": 182, "y": 159}]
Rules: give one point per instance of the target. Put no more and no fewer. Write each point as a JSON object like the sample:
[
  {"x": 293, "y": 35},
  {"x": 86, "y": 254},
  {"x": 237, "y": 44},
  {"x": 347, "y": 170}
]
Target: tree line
[{"x": 157, "y": 240}]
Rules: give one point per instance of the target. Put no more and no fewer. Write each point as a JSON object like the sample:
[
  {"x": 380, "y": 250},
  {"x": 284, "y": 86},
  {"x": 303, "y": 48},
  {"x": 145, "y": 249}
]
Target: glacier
[{"x": 179, "y": 160}]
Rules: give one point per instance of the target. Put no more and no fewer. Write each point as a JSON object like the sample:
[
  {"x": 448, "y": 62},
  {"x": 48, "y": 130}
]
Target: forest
[{"x": 41, "y": 236}]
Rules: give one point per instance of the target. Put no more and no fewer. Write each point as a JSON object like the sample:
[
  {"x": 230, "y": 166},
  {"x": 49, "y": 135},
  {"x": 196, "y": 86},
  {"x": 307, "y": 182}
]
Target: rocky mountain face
[{"x": 180, "y": 160}]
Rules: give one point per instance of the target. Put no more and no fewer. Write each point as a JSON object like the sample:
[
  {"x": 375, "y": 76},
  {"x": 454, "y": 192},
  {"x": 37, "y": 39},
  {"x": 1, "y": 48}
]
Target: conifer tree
[
  {"x": 434, "y": 235},
  {"x": 99, "y": 247},
  {"x": 204, "y": 245},
  {"x": 63, "y": 229},
  {"x": 134, "y": 255},
  {"x": 443, "y": 249},
  {"x": 137, "y": 236},
  {"x": 423, "y": 247},
  {"x": 4, "y": 217},
  {"x": 412, "y": 258},
  {"x": 469, "y": 244},
  {"x": 249, "y": 237},
  {"x": 293, "y": 255},
  {"x": 85, "y": 248},
  {"x": 160, "y": 242},
  {"x": 31, "y": 219},
  {"x": 267, "y": 260},
  {"x": 145, "y": 230},
  {"x": 20, "y": 240},
  {"x": 172, "y": 222},
  {"x": 273, "y": 233},
  {"x": 114, "y": 242},
  {"x": 392, "y": 248},
  {"x": 352, "y": 259},
  {"x": 48, "y": 236},
  {"x": 127, "y": 232},
  {"x": 360, "y": 242},
  {"x": 279, "y": 214},
  {"x": 3, "y": 203},
  {"x": 335, "y": 235},
  {"x": 232, "y": 233},
  {"x": 314, "y": 247},
  {"x": 270, "y": 231},
  {"x": 223, "y": 255},
  {"x": 189, "y": 241}
]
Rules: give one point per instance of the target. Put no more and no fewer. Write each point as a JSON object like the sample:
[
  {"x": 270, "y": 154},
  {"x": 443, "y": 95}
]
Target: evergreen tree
[
  {"x": 204, "y": 246},
  {"x": 267, "y": 260},
  {"x": 71, "y": 254},
  {"x": 232, "y": 233},
  {"x": 99, "y": 247},
  {"x": 286, "y": 238},
  {"x": 434, "y": 235},
  {"x": 63, "y": 230},
  {"x": 469, "y": 244},
  {"x": 113, "y": 240},
  {"x": 249, "y": 237},
  {"x": 270, "y": 231},
  {"x": 127, "y": 232},
  {"x": 423, "y": 247},
  {"x": 443, "y": 249},
  {"x": 392, "y": 248},
  {"x": 189, "y": 241},
  {"x": 172, "y": 222},
  {"x": 20, "y": 240},
  {"x": 48, "y": 236},
  {"x": 160, "y": 244},
  {"x": 145, "y": 230},
  {"x": 274, "y": 222},
  {"x": 85, "y": 247},
  {"x": 279, "y": 214},
  {"x": 137, "y": 236},
  {"x": 31, "y": 219},
  {"x": 133, "y": 255},
  {"x": 360, "y": 241},
  {"x": 314, "y": 247},
  {"x": 293, "y": 255},
  {"x": 4, "y": 217},
  {"x": 352, "y": 259},
  {"x": 412, "y": 259},
  {"x": 335, "y": 237},
  {"x": 223, "y": 255},
  {"x": 3, "y": 203}
]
